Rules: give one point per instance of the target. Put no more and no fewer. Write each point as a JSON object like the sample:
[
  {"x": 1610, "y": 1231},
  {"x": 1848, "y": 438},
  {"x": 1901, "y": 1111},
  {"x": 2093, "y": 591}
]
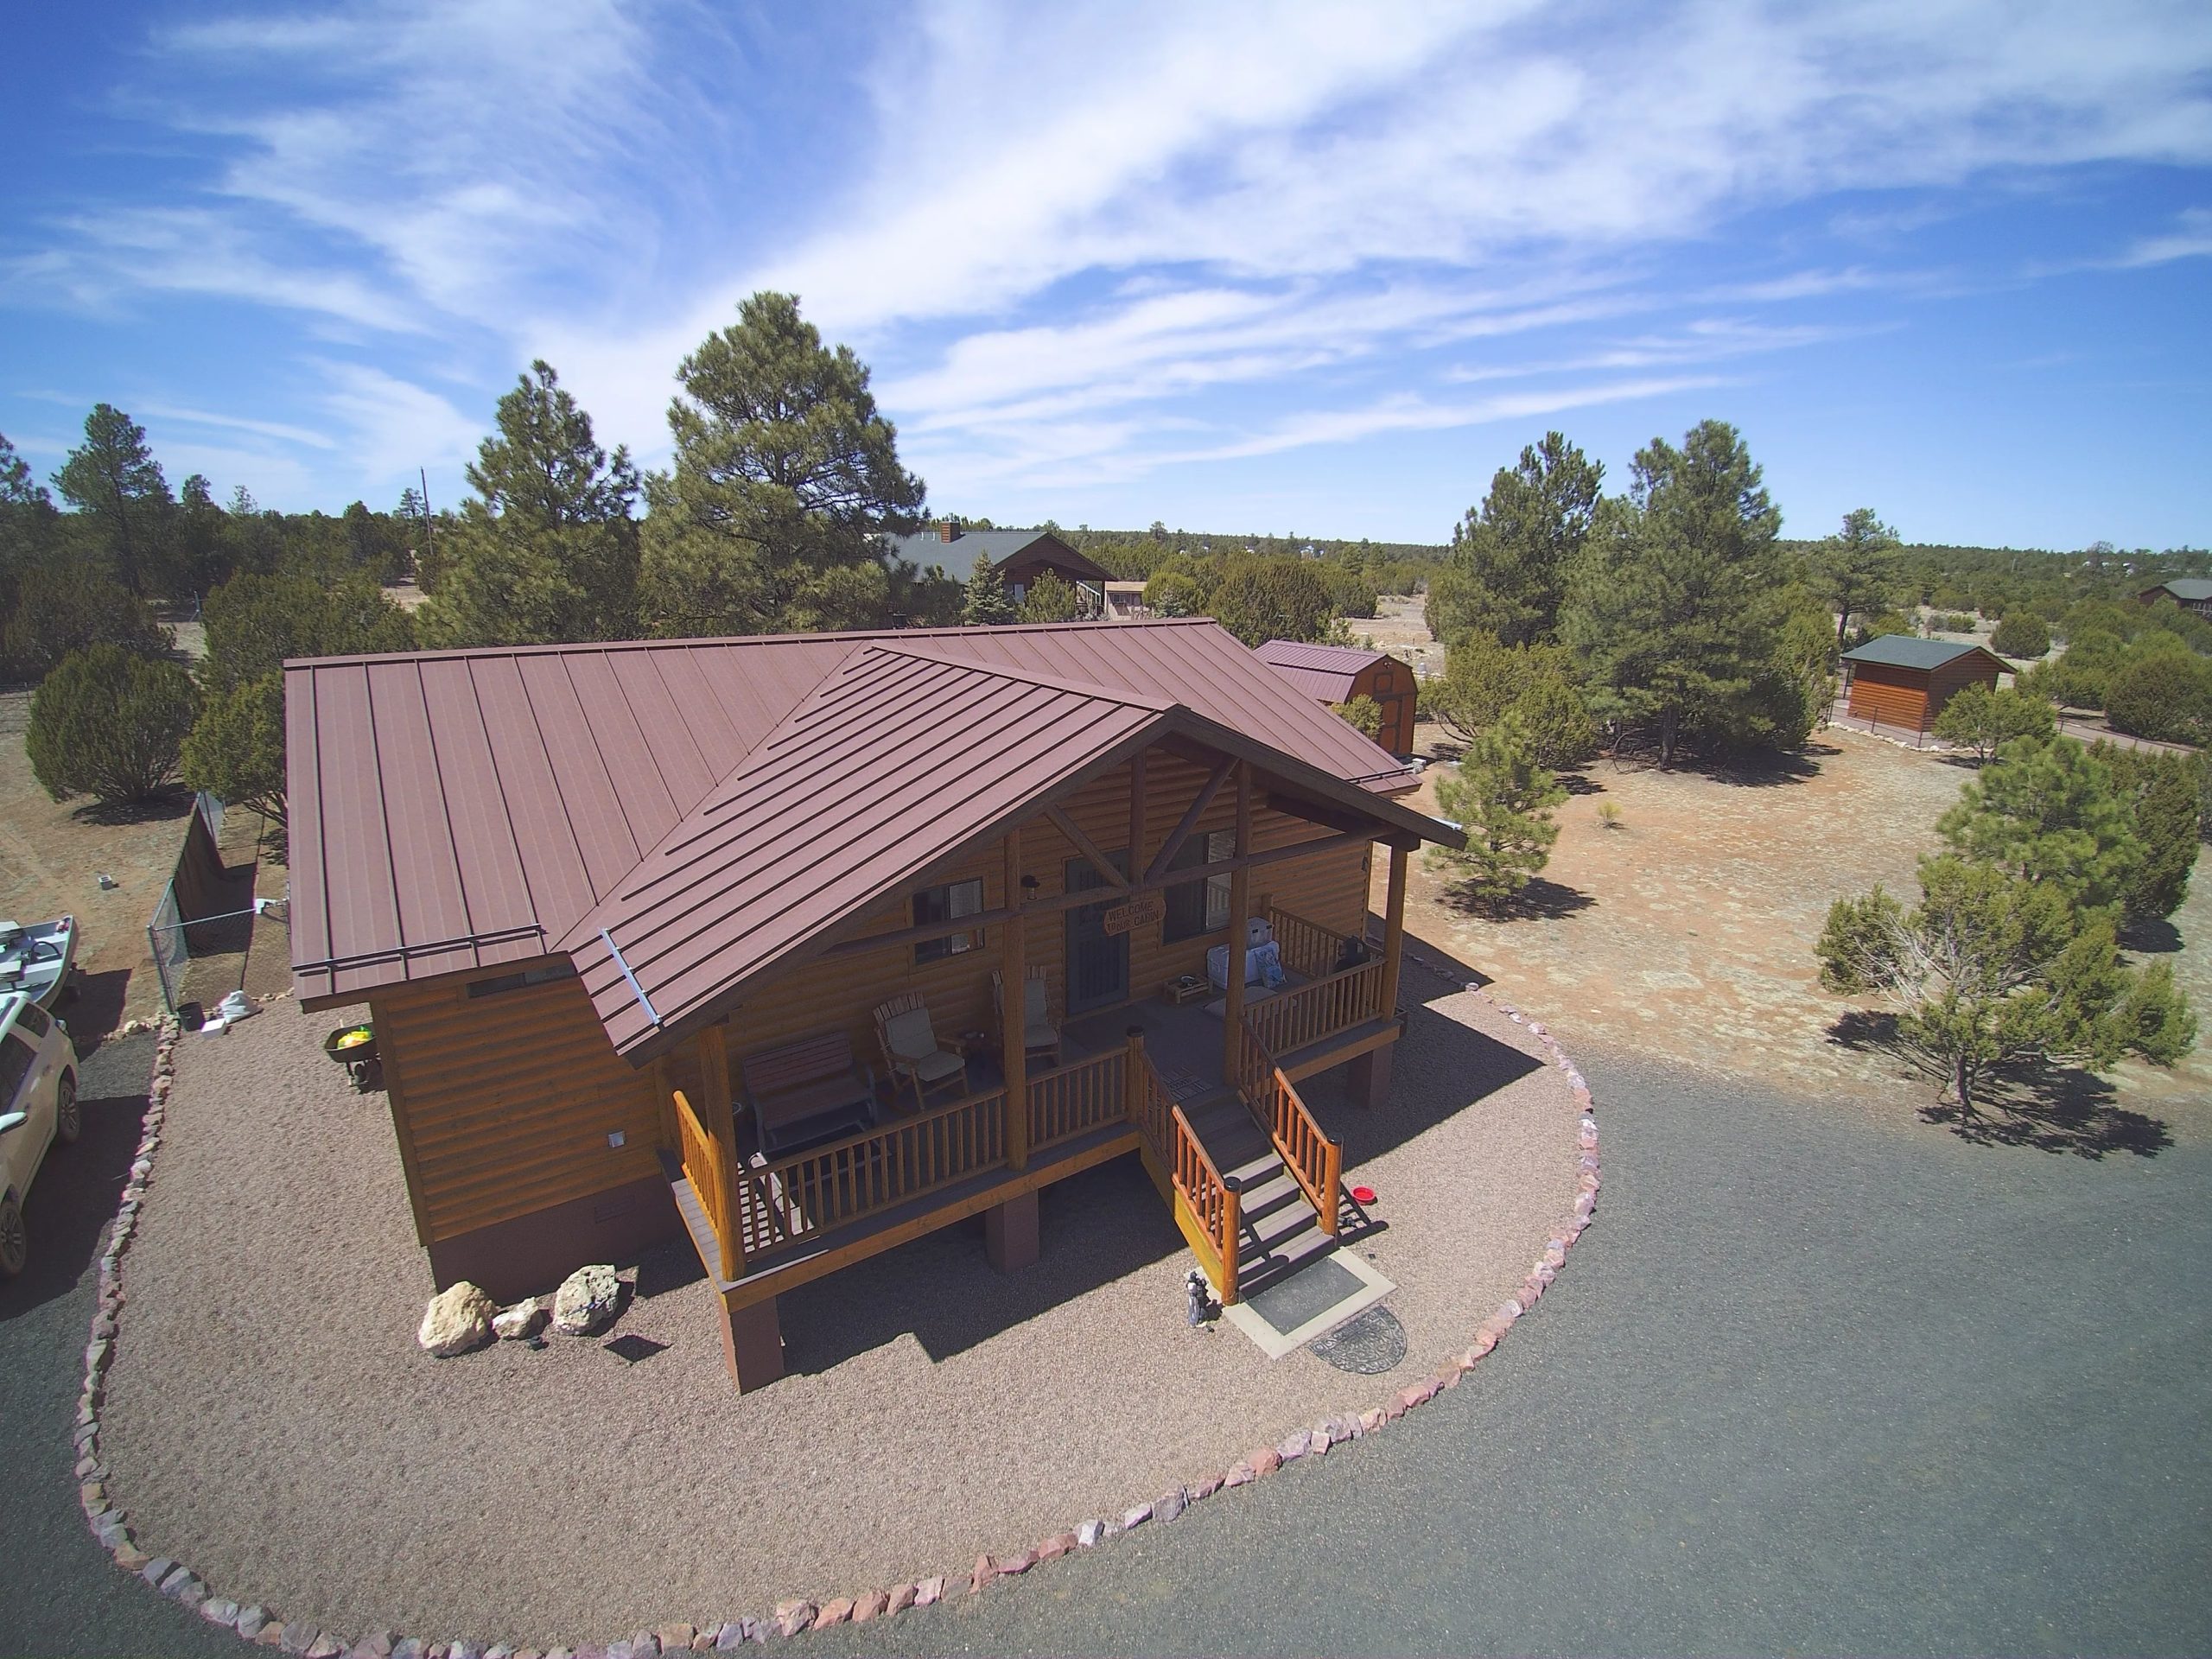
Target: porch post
[
  {"x": 1014, "y": 1001},
  {"x": 753, "y": 1342},
  {"x": 1240, "y": 888},
  {"x": 721, "y": 1123},
  {"x": 1137, "y": 860},
  {"x": 1394, "y": 932},
  {"x": 664, "y": 1089}
]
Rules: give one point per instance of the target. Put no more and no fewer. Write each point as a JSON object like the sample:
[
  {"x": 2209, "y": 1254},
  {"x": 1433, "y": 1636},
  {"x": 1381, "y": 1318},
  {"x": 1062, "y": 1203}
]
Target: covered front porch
[{"x": 1205, "y": 1089}]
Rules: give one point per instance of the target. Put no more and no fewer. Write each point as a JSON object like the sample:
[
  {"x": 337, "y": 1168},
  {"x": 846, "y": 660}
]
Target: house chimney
[{"x": 947, "y": 530}]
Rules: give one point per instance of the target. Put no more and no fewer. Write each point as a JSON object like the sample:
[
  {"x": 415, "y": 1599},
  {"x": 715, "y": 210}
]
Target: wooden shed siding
[
  {"x": 1954, "y": 677},
  {"x": 1896, "y": 696},
  {"x": 508, "y": 1099}
]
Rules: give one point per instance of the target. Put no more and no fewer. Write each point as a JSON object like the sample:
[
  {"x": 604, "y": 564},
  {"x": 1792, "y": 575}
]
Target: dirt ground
[
  {"x": 1399, "y": 627},
  {"x": 1687, "y": 932},
  {"x": 53, "y": 853},
  {"x": 271, "y": 1421}
]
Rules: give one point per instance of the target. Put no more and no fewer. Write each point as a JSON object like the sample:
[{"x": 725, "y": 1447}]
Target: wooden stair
[{"x": 1280, "y": 1232}]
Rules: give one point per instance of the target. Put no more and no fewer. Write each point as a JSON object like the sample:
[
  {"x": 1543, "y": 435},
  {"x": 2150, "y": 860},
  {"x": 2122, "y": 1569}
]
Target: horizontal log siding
[
  {"x": 509, "y": 1100},
  {"x": 1946, "y": 682},
  {"x": 1330, "y": 888},
  {"x": 1896, "y": 696}
]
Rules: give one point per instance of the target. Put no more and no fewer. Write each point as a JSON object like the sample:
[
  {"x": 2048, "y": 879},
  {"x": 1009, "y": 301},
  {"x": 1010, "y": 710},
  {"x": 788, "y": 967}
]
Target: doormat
[
  {"x": 1320, "y": 1296},
  {"x": 1366, "y": 1344},
  {"x": 1185, "y": 1085}
]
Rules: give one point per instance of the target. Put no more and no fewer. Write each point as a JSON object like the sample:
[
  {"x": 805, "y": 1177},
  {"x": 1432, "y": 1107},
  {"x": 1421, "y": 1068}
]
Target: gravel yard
[{"x": 271, "y": 1422}]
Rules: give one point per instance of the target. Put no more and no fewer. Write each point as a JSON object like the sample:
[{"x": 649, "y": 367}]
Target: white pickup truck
[{"x": 38, "y": 1107}]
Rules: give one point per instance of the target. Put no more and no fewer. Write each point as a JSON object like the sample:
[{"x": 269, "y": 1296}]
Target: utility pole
[{"x": 429, "y": 527}]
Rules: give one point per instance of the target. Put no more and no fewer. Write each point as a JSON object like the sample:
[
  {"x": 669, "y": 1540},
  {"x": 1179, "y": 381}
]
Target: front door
[{"x": 1098, "y": 963}]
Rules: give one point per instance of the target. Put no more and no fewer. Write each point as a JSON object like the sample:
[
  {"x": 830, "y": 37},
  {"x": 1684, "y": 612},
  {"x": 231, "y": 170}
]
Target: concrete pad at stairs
[{"x": 1347, "y": 1284}]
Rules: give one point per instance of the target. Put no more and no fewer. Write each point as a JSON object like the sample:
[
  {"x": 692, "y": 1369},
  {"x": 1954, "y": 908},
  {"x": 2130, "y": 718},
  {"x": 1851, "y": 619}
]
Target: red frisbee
[{"x": 1362, "y": 1195}]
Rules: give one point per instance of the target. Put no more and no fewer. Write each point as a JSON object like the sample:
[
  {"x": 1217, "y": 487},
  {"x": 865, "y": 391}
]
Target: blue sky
[{"x": 1238, "y": 267}]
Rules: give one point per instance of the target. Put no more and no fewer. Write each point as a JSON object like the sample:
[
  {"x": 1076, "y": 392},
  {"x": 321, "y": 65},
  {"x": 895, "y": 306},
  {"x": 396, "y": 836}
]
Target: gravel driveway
[{"x": 271, "y": 1422}]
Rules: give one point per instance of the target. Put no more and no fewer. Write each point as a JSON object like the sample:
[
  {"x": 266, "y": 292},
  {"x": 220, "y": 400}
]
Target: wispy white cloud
[
  {"x": 2190, "y": 238},
  {"x": 392, "y": 426},
  {"x": 279, "y": 430}
]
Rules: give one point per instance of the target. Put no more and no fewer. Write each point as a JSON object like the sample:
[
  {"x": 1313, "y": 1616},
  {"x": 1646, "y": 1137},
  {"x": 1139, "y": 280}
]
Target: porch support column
[
  {"x": 1369, "y": 1081},
  {"x": 721, "y": 1122},
  {"x": 1394, "y": 932},
  {"x": 1240, "y": 890},
  {"x": 1014, "y": 1001},
  {"x": 1010, "y": 1240},
  {"x": 752, "y": 1344}
]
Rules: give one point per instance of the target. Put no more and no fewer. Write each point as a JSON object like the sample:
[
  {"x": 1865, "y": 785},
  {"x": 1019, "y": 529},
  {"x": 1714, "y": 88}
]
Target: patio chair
[
  {"x": 911, "y": 1048},
  {"x": 1040, "y": 1038}
]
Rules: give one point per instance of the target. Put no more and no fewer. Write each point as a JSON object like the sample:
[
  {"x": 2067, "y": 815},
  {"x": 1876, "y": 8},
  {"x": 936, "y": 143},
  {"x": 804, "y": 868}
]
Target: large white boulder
[
  {"x": 459, "y": 1318},
  {"x": 585, "y": 1301}
]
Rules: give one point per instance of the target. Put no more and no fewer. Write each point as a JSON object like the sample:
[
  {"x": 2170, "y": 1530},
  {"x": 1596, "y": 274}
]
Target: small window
[
  {"x": 947, "y": 904},
  {"x": 545, "y": 974},
  {"x": 15, "y": 1067},
  {"x": 1200, "y": 907},
  {"x": 34, "y": 1019}
]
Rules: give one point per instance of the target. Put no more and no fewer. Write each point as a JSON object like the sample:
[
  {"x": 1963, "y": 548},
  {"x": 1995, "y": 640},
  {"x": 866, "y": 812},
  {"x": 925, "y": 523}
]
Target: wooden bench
[{"x": 808, "y": 1090}]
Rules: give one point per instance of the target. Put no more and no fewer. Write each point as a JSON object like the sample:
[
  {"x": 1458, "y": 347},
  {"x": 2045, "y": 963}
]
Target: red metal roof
[
  {"x": 1323, "y": 671},
  {"x": 454, "y": 810}
]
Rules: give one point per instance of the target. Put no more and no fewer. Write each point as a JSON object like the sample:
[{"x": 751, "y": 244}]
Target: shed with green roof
[{"x": 1898, "y": 680}]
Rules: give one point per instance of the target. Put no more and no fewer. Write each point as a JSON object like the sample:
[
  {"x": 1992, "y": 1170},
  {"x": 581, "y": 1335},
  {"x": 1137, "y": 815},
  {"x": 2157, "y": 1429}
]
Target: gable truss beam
[
  {"x": 1174, "y": 844},
  {"x": 1083, "y": 844}
]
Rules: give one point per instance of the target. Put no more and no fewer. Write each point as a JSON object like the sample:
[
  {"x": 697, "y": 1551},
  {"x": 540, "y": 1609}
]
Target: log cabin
[
  {"x": 643, "y": 928},
  {"x": 1337, "y": 674},
  {"x": 2190, "y": 593},
  {"x": 1898, "y": 680},
  {"x": 1018, "y": 558}
]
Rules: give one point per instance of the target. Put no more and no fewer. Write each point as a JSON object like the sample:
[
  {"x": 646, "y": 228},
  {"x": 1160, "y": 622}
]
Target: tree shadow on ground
[
  {"x": 2037, "y": 1104},
  {"x": 1742, "y": 768},
  {"x": 1541, "y": 900},
  {"x": 164, "y": 804},
  {"x": 1580, "y": 783},
  {"x": 2155, "y": 938}
]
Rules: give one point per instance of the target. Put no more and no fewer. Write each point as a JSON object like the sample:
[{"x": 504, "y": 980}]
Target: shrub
[
  {"x": 2164, "y": 694},
  {"x": 2163, "y": 793},
  {"x": 1957, "y": 622},
  {"x": 2021, "y": 634},
  {"x": 1050, "y": 599},
  {"x": 63, "y": 608},
  {"x": 109, "y": 723},
  {"x": 1504, "y": 800},
  {"x": 1363, "y": 714},
  {"x": 236, "y": 748},
  {"x": 1887, "y": 622},
  {"x": 1981, "y": 719}
]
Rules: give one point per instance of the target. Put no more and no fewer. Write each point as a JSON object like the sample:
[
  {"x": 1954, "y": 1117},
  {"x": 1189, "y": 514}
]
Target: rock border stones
[{"x": 259, "y": 1625}]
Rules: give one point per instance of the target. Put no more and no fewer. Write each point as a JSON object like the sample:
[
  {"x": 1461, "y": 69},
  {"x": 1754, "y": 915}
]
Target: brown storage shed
[
  {"x": 1898, "y": 680},
  {"x": 1337, "y": 674}
]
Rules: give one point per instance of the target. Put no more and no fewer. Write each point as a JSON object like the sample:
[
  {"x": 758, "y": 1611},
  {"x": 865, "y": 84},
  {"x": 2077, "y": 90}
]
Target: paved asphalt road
[{"x": 1809, "y": 1384}]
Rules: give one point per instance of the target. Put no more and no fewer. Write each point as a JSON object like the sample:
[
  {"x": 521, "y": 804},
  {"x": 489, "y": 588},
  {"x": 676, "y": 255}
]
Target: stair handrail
[
  {"x": 1314, "y": 1160},
  {"x": 1215, "y": 1202}
]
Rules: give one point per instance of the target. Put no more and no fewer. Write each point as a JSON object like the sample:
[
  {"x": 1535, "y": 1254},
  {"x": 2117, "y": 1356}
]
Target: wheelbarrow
[{"x": 354, "y": 1047}]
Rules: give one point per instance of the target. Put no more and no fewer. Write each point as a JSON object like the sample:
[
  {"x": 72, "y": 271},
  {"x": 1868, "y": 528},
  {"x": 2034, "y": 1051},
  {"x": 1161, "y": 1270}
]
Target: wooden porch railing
[
  {"x": 1314, "y": 1161},
  {"x": 792, "y": 1200},
  {"x": 712, "y": 1172},
  {"x": 1075, "y": 1099},
  {"x": 1291, "y": 1019},
  {"x": 1308, "y": 949},
  {"x": 1210, "y": 1208}
]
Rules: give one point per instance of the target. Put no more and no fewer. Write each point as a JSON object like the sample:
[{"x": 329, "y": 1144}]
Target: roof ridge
[
  {"x": 858, "y": 636},
  {"x": 1030, "y": 676}
]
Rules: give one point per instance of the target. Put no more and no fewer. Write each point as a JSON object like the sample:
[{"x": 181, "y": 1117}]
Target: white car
[{"x": 38, "y": 1106}]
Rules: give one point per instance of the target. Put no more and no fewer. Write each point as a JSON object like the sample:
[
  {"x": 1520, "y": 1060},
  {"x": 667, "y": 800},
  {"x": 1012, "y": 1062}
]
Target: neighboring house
[
  {"x": 1337, "y": 674},
  {"x": 1901, "y": 681},
  {"x": 626, "y": 916},
  {"x": 2190, "y": 593},
  {"x": 1017, "y": 557}
]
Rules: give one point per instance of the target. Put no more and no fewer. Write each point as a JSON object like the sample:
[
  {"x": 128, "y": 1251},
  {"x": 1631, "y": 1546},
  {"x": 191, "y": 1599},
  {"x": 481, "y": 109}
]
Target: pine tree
[
  {"x": 1504, "y": 800},
  {"x": 984, "y": 600},
  {"x": 547, "y": 550},
  {"x": 2163, "y": 793},
  {"x": 1856, "y": 569},
  {"x": 2045, "y": 812},
  {"x": 114, "y": 480},
  {"x": 1510, "y": 556},
  {"x": 1051, "y": 599},
  {"x": 108, "y": 724},
  {"x": 1676, "y": 606},
  {"x": 785, "y": 479}
]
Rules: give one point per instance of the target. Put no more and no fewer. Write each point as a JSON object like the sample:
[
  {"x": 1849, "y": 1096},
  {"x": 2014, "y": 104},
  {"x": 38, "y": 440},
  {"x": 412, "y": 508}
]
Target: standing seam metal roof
[
  {"x": 1907, "y": 651},
  {"x": 457, "y": 809}
]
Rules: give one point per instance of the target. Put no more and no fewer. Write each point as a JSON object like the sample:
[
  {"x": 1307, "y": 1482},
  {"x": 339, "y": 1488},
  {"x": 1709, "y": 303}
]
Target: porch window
[
  {"x": 1199, "y": 907},
  {"x": 946, "y": 904}
]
